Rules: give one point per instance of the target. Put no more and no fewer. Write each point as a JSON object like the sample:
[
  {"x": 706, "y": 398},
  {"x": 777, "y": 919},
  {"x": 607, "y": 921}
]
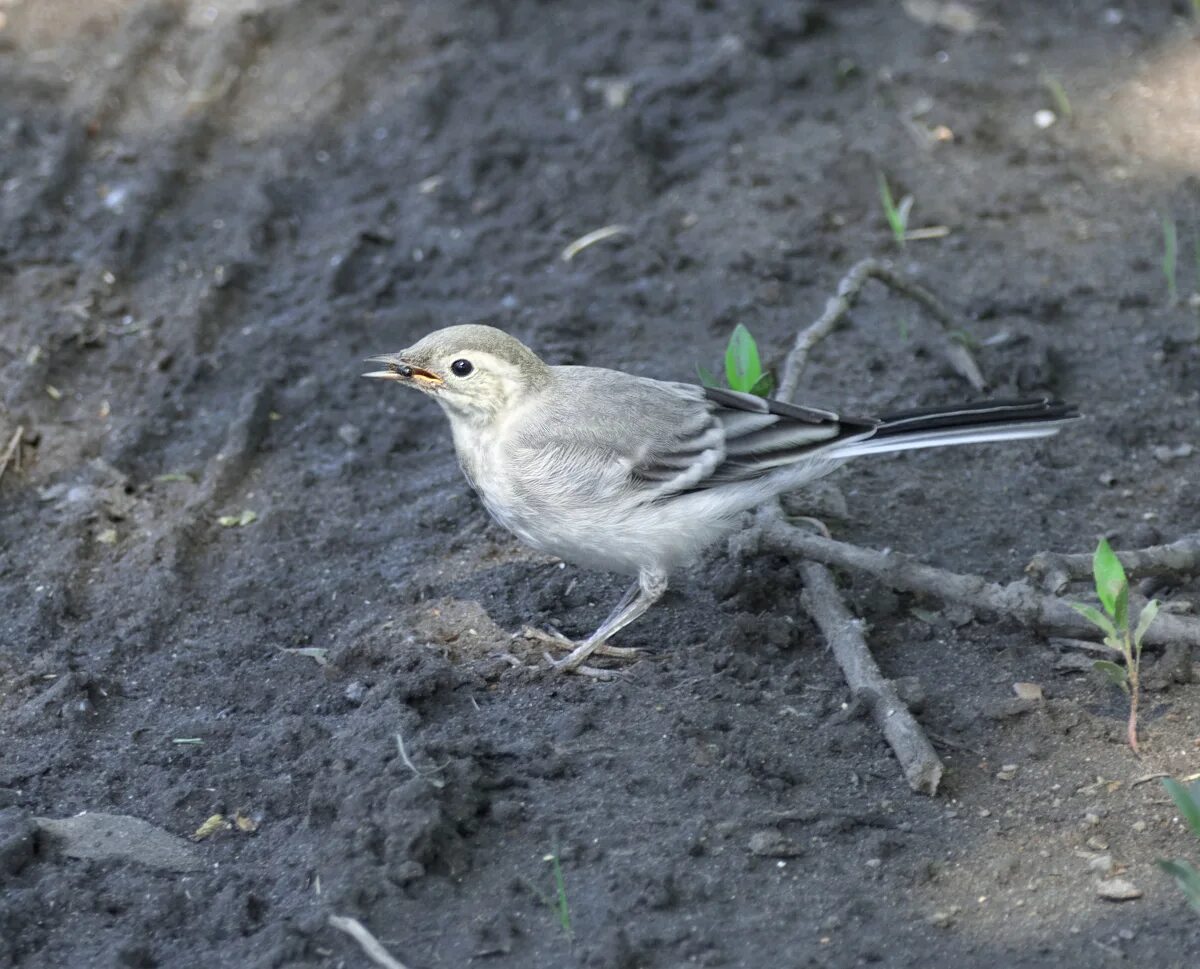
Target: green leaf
[
  {"x": 1149, "y": 611},
  {"x": 1110, "y": 576},
  {"x": 1121, "y": 609},
  {"x": 742, "y": 366},
  {"x": 707, "y": 377},
  {"x": 1096, "y": 618},
  {"x": 1186, "y": 877},
  {"x": 1116, "y": 674},
  {"x": 1187, "y": 802},
  {"x": 765, "y": 385}
]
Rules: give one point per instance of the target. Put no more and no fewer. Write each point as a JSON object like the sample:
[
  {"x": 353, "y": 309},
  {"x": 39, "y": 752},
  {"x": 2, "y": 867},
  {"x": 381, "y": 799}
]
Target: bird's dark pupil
[{"x": 461, "y": 367}]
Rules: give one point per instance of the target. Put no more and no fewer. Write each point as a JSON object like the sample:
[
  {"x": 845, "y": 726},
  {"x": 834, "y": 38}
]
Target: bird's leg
[
  {"x": 552, "y": 637},
  {"x": 646, "y": 591}
]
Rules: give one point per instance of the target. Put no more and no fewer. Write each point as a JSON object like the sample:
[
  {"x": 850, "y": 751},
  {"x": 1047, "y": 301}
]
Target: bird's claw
[{"x": 552, "y": 637}]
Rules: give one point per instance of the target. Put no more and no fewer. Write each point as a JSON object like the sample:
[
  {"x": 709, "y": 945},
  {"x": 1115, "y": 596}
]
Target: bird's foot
[{"x": 578, "y": 652}]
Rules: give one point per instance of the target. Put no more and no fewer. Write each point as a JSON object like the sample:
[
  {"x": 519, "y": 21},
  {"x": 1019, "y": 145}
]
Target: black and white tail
[
  {"x": 794, "y": 443},
  {"x": 993, "y": 420}
]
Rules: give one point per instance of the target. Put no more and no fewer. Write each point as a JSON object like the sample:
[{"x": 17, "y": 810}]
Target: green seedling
[
  {"x": 559, "y": 903},
  {"x": 1058, "y": 94},
  {"x": 1112, "y": 588},
  {"x": 743, "y": 367},
  {"x": 1185, "y": 874},
  {"x": 896, "y": 214},
  {"x": 1170, "y": 258}
]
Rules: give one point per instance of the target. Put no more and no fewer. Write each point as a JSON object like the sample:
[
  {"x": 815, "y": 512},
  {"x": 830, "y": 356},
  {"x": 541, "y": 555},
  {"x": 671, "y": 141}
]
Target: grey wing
[
  {"x": 763, "y": 434},
  {"x": 606, "y": 432},
  {"x": 658, "y": 439}
]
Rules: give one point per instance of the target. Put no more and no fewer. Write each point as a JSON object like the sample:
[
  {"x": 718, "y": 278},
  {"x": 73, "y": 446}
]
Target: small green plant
[
  {"x": 1196, "y": 10},
  {"x": 896, "y": 214},
  {"x": 1112, "y": 588},
  {"x": 1058, "y": 94},
  {"x": 1170, "y": 258},
  {"x": 1185, "y": 874},
  {"x": 743, "y": 367},
  {"x": 559, "y": 903}
]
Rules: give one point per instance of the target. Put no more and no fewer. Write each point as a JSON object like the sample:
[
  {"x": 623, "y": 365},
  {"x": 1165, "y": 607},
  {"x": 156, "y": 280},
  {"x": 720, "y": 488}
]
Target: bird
[{"x": 623, "y": 473}]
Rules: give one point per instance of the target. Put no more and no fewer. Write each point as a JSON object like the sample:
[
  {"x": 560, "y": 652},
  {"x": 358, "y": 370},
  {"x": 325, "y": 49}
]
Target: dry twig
[
  {"x": 848, "y": 292},
  {"x": 843, "y": 632},
  {"x": 1181, "y": 557},
  {"x": 12, "y": 453},
  {"x": 573, "y": 249},
  {"x": 1016, "y": 600},
  {"x": 370, "y": 945}
]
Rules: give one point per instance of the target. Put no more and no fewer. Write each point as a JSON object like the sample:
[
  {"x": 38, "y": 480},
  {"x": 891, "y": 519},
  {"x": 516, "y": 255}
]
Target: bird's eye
[{"x": 461, "y": 368}]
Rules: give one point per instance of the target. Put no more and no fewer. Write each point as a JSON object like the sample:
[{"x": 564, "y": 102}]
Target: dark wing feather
[{"x": 744, "y": 437}]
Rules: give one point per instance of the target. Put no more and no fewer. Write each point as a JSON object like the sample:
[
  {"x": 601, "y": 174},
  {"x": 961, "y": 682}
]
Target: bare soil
[{"x": 211, "y": 212}]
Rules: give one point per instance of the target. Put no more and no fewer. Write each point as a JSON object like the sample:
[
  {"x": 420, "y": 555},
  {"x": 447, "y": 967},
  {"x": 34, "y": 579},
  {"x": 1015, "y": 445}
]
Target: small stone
[
  {"x": 1118, "y": 890},
  {"x": 1091, "y": 819},
  {"x": 1097, "y": 844},
  {"x": 911, "y": 692},
  {"x": 1165, "y": 455},
  {"x": 1028, "y": 691},
  {"x": 1138, "y": 826},
  {"x": 349, "y": 434},
  {"x": 770, "y": 843},
  {"x": 942, "y": 919},
  {"x": 1044, "y": 118},
  {"x": 1101, "y": 864}
]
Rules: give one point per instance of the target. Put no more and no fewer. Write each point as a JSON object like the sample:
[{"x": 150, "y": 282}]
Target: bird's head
[{"x": 475, "y": 372}]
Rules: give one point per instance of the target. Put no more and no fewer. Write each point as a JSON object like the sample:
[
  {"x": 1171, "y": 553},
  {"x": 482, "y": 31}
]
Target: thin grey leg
[{"x": 646, "y": 591}]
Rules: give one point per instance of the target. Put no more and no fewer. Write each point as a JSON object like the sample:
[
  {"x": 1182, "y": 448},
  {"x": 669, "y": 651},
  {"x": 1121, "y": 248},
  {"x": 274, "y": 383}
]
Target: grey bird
[{"x": 628, "y": 474}]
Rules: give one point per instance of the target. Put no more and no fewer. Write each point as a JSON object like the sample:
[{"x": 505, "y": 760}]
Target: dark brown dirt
[{"x": 211, "y": 212}]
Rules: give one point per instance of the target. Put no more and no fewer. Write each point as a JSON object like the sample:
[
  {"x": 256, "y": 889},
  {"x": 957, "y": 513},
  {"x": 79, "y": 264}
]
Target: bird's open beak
[{"x": 398, "y": 369}]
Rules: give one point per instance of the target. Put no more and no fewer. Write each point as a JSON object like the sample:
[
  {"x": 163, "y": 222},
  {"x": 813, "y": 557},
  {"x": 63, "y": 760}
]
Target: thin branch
[
  {"x": 370, "y": 945},
  {"x": 1016, "y": 600},
  {"x": 848, "y": 292},
  {"x": 820, "y": 598},
  {"x": 13, "y": 450},
  {"x": 1179, "y": 558},
  {"x": 843, "y": 632}
]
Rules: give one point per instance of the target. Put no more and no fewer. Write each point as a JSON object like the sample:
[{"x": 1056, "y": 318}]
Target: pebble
[
  {"x": 943, "y": 919},
  {"x": 350, "y": 434},
  {"x": 1044, "y": 118},
  {"x": 1028, "y": 691},
  {"x": 770, "y": 843},
  {"x": 1118, "y": 890},
  {"x": 1101, "y": 864},
  {"x": 1139, "y": 826},
  {"x": 1165, "y": 455}
]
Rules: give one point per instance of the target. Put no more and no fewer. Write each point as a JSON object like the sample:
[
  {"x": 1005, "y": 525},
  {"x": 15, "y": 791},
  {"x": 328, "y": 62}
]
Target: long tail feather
[{"x": 996, "y": 420}]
